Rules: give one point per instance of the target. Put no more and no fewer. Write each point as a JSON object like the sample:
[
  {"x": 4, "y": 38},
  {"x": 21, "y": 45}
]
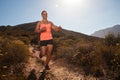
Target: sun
[
  {"x": 74, "y": 2},
  {"x": 73, "y": 6}
]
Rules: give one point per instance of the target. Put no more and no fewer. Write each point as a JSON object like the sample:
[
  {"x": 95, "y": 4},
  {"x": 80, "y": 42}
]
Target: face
[{"x": 44, "y": 15}]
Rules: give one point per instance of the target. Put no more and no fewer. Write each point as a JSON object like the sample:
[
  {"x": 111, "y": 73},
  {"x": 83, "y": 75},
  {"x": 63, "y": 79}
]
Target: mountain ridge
[
  {"x": 103, "y": 32},
  {"x": 31, "y": 27}
]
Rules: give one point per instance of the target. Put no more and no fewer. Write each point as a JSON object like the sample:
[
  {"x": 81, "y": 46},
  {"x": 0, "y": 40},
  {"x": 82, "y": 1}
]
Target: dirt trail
[{"x": 60, "y": 70}]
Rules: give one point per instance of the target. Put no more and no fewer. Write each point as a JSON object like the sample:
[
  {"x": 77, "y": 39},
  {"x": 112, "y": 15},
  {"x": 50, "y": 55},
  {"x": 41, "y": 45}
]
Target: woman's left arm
[{"x": 56, "y": 28}]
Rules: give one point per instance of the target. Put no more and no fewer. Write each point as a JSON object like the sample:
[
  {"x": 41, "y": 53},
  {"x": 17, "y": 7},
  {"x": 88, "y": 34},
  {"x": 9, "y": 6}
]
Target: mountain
[{"x": 112, "y": 30}]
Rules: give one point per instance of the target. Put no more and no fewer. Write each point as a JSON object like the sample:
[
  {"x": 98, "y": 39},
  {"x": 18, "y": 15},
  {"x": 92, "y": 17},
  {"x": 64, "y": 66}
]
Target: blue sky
[{"x": 84, "y": 16}]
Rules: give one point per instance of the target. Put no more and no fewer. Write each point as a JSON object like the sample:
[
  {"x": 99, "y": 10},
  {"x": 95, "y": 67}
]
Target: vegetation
[
  {"x": 97, "y": 57},
  {"x": 13, "y": 54}
]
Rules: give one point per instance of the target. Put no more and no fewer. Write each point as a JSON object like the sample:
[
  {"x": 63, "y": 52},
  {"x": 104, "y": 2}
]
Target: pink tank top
[{"x": 47, "y": 35}]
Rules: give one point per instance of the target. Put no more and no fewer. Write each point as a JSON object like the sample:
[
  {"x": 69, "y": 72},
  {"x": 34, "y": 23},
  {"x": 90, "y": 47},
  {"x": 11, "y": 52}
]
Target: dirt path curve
[{"x": 60, "y": 70}]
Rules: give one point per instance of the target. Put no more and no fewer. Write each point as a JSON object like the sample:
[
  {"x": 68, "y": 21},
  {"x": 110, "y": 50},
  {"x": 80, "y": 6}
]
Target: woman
[{"x": 44, "y": 27}]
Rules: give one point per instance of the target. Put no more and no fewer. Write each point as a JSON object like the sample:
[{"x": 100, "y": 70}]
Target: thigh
[
  {"x": 49, "y": 48},
  {"x": 43, "y": 49}
]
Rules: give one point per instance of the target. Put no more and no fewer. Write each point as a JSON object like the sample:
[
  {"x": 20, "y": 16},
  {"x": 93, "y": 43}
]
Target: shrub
[
  {"x": 13, "y": 54},
  {"x": 110, "y": 40},
  {"x": 25, "y": 40}
]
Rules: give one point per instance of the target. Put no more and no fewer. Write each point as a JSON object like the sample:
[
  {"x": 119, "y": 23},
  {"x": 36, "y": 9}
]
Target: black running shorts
[{"x": 46, "y": 42}]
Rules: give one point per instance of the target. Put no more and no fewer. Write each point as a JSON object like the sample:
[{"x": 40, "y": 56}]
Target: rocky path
[{"x": 60, "y": 70}]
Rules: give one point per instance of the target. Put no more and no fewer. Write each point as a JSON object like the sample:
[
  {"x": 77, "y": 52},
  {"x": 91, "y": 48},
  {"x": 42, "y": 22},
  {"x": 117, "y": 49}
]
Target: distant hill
[{"x": 101, "y": 33}]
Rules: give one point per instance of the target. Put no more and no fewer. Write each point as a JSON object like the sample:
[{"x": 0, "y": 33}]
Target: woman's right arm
[{"x": 38, "y": 29}]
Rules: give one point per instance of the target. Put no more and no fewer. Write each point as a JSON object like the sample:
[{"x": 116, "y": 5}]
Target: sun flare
[{"x": 74, "y": 2}]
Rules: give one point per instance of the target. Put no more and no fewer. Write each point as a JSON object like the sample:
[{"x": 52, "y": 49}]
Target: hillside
[
  {"x": 101, "y": 33},
  {"x": 27, "y": 30},
  {"x": 64, "y": 32},
  {"x": 75, "y": 54}
]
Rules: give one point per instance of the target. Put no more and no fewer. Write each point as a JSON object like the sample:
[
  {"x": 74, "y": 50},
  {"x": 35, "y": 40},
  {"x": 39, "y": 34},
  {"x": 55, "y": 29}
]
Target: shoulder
[{"x": 39, "y": 22}]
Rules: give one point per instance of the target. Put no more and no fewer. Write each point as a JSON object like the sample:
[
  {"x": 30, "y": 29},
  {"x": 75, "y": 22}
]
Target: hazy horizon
[{"x": 84, "y": 16}]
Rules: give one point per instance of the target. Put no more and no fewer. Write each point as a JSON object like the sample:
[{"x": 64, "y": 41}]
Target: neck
[{"x": 45, "y": 21}]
